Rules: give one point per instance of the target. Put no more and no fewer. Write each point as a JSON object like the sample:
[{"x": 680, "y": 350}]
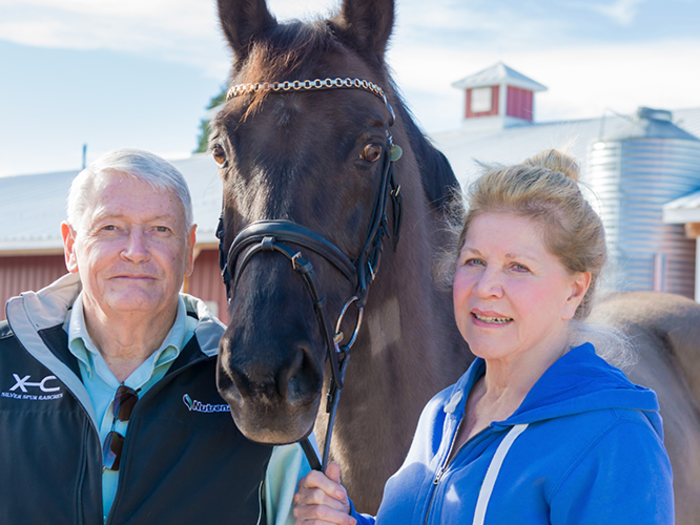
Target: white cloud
[{"x": 621, "y": 11}]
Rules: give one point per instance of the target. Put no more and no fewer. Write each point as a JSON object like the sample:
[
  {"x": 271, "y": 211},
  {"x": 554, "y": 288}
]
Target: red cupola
[{"x": 498, "y": 97}]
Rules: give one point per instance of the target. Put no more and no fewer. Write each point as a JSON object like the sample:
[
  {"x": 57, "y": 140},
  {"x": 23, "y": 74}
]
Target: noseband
[{"x": 278, "y": 235}]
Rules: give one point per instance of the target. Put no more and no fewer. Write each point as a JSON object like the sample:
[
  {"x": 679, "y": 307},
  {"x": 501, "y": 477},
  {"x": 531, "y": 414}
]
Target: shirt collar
[{"x": 82, "y": 347}]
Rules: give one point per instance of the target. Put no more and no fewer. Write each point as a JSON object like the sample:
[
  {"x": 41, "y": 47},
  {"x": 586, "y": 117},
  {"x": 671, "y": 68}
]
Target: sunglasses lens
[
  {"x": 112, "y": 450},
  {"x": 124, "y": 402}
]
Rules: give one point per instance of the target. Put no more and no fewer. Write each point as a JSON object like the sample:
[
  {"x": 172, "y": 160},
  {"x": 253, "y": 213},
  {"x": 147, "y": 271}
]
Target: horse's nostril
[{"x": 302, "y": 380}]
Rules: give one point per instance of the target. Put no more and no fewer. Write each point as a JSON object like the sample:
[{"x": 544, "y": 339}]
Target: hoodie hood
[{"x": 577, "y": 382}]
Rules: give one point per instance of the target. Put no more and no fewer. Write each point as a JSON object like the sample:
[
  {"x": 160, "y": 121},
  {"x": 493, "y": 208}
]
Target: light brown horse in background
[
  {"x": 314, "y": 158},
  {"x": 664, "y": 329}
]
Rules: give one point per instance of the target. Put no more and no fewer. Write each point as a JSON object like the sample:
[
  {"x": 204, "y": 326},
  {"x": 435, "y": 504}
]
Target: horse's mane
[
  {"x": 288, "y": 48},
  {"x": 437, "y": 176}
]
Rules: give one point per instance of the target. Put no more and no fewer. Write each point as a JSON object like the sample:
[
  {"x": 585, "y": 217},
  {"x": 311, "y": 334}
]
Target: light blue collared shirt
[{"x": 102, "y": 385}]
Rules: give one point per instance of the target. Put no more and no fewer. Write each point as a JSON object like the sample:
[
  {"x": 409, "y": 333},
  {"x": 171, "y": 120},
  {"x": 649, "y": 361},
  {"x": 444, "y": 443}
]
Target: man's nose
[{"x": 136, "y": 249}]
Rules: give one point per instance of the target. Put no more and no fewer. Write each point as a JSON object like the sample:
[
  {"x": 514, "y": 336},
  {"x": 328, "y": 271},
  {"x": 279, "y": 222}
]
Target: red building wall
[
  {"x": 21, "y": 273},
  {"x": 519, "y": 103},
  {"x": 205, "y": 282}
]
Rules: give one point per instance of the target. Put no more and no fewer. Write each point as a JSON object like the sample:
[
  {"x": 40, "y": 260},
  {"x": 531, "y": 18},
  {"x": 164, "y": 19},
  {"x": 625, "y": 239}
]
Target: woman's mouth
[{"x": 492, "y": 319}]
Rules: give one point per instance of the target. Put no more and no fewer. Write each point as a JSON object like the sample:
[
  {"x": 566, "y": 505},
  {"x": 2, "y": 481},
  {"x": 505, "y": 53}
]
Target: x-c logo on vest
[{"x": 26, "y": 389}]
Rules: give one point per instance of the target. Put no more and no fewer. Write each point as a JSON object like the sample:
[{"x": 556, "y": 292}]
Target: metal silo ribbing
[{"x": 633, "y": 176}]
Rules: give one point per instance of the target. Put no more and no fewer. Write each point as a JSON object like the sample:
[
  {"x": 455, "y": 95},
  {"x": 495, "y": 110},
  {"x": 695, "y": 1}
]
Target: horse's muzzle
[{"x": 274, "y": 395}]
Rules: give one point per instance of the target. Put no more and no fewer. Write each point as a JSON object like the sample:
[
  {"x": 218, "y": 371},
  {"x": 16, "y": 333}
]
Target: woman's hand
[{"x": 322, "y": 499}]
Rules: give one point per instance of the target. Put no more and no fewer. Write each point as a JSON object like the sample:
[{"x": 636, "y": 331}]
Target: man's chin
[{"x": 135, "y": 299}]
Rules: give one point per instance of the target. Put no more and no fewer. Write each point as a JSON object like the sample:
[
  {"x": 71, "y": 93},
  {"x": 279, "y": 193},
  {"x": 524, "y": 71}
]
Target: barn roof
[
  {"x": 683, "y": 210},
  {"x": 498, "y": 74},
  {"x": 466, "y": 149}
]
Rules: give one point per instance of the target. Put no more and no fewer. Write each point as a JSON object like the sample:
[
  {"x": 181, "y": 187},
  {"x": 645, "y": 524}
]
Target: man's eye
[{"x": 162, "y": 229}]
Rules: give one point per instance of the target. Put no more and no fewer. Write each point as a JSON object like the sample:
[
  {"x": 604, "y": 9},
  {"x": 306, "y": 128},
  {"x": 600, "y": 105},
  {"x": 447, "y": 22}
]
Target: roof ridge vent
[{"x": 654, "y": 114}]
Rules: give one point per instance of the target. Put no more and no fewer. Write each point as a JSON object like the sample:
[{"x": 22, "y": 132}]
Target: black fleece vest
[{"x": 184, "y": 461}]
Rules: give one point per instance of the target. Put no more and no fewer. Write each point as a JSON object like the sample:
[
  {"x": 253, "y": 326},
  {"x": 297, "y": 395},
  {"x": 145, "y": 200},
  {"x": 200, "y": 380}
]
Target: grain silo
[{"x": 634, "y": 173}]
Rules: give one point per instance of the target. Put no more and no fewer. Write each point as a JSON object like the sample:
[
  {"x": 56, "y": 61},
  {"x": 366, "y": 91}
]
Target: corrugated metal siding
[
  {"x": 23, "y": 273},
  {"x": 633, "y": 179},
  {"x": 205, "y": 282},
  {"x": 519, "y": 103},
  {"x": 494, "y": 105}
]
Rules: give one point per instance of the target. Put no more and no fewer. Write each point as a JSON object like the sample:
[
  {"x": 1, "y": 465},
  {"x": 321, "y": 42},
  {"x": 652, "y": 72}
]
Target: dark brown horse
[
  {"x": 316, "y": 158},
  {"x": 311, "y": 159}
]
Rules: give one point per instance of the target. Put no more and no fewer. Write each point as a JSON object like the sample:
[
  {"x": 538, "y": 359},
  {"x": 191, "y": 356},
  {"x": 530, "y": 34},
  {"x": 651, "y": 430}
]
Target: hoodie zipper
[
  {"x": 446, "y": 463},
  {"x": 441, "y": 471}
]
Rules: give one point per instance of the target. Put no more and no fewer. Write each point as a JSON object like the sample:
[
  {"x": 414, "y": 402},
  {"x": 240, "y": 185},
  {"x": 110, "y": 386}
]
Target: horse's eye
[
  {"x": 371, "y": 153},
  {"x": 219, "y": 156}
]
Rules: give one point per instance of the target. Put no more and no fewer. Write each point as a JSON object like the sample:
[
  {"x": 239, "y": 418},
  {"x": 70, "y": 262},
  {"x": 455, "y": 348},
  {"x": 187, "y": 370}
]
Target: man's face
[{"x": 132, "y": 248}]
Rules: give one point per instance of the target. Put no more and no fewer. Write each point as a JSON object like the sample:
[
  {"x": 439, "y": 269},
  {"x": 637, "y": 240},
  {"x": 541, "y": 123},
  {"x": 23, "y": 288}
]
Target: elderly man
[{"x": 108, "y": 405}]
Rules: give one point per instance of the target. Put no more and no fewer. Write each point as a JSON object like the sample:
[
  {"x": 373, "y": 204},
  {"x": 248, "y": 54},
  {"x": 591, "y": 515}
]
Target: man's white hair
[{"x": 143, "y": 165}]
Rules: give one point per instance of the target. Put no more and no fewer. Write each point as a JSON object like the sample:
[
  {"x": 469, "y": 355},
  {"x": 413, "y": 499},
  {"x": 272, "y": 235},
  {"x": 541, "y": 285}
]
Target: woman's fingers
[
  {"x": 316, "y": 484},
  {"x": 321, "y": 514},
  {"x": 321, "y": 498}
]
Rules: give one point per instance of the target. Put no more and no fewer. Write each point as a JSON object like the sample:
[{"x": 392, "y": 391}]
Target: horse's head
[{"x": 312, "y": 160}]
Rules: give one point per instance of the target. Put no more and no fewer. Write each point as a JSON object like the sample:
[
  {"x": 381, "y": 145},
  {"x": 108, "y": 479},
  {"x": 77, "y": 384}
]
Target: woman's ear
[{"x": 579, "y": 287}]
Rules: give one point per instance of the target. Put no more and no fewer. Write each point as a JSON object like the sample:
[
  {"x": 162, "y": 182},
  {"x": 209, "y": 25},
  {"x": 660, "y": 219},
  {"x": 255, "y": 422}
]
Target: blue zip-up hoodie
[{"x": 585, "y": 446}]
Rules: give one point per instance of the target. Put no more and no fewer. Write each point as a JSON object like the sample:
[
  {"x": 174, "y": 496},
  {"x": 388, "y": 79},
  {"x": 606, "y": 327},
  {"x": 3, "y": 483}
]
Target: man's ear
[
  {"x": 191, "y": 241},
  {"x": 579, "y": 287},
  {"x": 68, "y": 234}
]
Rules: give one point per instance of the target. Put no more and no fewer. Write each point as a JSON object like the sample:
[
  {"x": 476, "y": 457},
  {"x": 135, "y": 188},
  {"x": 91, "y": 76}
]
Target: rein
[{"x": 278, "y": 235}]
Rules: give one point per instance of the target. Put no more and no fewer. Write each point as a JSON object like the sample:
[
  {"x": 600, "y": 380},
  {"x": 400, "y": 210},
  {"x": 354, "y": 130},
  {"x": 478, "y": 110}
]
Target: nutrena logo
[
  {"x": 197, "y": 406},
  {"x": 34, "y": 390}
]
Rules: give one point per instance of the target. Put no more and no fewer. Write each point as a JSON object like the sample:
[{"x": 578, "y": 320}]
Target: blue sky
[{"x": 140, "y": 73}]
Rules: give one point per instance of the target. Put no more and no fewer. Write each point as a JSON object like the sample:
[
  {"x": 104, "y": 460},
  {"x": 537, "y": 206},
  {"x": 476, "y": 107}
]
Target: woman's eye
[
  {"x": 219, "y": 156},
  {"x": 473, "y": 262},
  {"x": 371, "y": 153},
  {"x": 520, "y": 268}
]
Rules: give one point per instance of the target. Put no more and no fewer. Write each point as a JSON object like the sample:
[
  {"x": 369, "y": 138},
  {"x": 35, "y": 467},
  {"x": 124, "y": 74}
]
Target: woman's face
[{"x": 512, "y": 296}]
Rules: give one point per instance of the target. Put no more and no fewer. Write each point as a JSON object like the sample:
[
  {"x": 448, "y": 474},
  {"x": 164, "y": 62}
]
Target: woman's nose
[{"x": 489, "y": 284}]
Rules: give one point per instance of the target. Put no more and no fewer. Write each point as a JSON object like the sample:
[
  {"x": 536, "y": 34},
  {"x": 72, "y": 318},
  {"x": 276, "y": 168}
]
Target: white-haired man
[{"x": 108, "y": 405}]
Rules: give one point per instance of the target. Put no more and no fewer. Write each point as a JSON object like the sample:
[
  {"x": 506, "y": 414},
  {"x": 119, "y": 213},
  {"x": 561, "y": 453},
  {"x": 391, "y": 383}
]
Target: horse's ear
[
  {"x": 367, "y": 23},
  {"x": 242, "y": 21}
]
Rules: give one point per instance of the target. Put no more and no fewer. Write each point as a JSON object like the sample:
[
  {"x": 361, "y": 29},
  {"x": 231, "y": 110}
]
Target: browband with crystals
[{"x": 310, "y": 85}]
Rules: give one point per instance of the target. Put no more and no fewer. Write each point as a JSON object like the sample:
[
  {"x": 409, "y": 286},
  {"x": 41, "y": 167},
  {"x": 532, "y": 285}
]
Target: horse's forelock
[
  {"x": 287, "y": 52},
  {"x": 290, "y": 51}
]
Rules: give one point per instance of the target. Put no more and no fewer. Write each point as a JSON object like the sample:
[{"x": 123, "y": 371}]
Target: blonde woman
[{"x": 540, "y": 429}]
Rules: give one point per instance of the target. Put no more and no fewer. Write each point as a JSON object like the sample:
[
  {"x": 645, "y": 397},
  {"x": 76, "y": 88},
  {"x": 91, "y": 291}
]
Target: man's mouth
[{"x": 492, "y": 320}]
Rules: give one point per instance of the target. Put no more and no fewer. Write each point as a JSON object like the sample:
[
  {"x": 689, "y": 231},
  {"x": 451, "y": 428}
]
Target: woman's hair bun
[{"x": 556, "y": 161}]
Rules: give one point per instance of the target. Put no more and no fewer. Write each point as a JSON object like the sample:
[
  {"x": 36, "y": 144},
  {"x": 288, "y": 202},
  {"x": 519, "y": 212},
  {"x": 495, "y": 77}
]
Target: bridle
[{"x": 278, "y": 235}]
